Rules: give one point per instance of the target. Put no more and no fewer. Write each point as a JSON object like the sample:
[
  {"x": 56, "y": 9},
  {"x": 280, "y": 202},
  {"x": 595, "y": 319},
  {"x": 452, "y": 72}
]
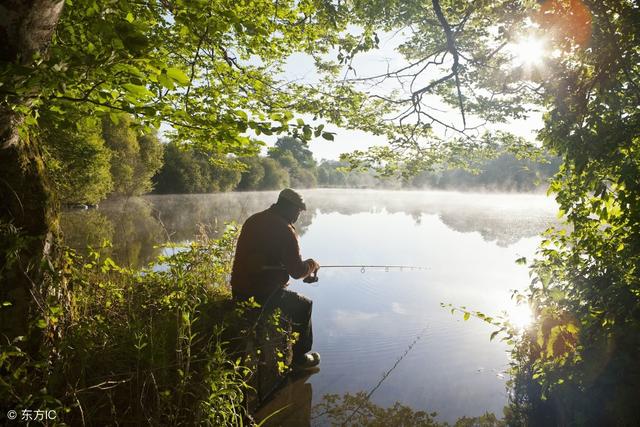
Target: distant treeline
[
  {"x": 92, "y": 158},
  {"x": 504, "y": 173},
  {"x": 290, "y": 163}
]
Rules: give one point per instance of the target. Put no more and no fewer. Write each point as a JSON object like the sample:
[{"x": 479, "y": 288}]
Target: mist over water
[{"x": 363, "y": 322}]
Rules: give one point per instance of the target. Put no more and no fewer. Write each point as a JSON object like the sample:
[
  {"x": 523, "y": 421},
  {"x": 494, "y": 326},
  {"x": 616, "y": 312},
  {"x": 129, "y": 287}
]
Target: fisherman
[{"x": 267, "y": 254}]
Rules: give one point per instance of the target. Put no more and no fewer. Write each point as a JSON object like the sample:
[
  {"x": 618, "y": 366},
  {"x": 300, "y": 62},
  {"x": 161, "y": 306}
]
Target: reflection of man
[
  {"x": 290, "y": 406},
  {"x": 266, "y": 255}
]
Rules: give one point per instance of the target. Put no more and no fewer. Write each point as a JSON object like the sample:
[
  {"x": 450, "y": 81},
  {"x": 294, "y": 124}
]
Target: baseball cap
[{"x": 293, "y": 198}]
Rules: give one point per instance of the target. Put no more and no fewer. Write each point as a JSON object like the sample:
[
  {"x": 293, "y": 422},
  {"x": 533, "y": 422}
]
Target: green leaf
[
  {"x": 466, "y": 316},
  {"x": 178, "y": 75},
  {"x": 241, "y": 114},
  {"x": 328, "y": 136},
  {"x": 306, "y": 132},
  {"x": 137, "y": 90},
  {"x": 166, "y": 82},
  {"x": 493, "y": 335},
  {"x": 129, "y": 17},
  {"x": 276, "y": 117}
]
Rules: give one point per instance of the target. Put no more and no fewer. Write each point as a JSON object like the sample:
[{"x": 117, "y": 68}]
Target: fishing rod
[
  {"x": 314, "y": 276},
  {"x": 386, "y": 267}
]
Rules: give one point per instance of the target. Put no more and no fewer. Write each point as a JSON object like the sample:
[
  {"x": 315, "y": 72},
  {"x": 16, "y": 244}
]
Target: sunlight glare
[
  {"x": 529, "y": 51},
  {"x": 520, "y": 316}
]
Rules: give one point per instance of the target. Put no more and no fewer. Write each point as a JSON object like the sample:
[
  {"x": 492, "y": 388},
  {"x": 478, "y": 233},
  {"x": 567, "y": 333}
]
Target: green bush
[{"x": 134, "y": 346}]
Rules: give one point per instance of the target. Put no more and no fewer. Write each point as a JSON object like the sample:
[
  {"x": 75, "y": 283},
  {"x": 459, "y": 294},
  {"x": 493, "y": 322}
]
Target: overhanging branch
[{"x": 451, "y": 47}]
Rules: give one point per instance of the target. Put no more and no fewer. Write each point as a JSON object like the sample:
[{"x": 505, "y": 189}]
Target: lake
[{"x": 365, "y": 321}]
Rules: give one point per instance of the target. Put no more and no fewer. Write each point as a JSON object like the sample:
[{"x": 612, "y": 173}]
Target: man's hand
[
  {"x": 314, "y": 265},
  {"x": 313, "y": 277}
]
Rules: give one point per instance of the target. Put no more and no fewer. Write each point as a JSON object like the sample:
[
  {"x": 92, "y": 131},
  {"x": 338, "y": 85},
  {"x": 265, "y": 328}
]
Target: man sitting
[{"x": 267, "y": 254}]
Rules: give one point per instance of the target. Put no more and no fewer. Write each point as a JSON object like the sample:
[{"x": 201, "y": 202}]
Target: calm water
[{"x": 365, "y": 322}]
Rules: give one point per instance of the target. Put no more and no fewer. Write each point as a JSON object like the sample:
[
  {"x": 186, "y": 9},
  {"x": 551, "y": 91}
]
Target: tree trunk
[{"x": 28, "y": 212}]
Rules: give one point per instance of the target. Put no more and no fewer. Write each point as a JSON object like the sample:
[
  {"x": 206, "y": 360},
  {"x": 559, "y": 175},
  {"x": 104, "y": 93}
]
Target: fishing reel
[{"x": 312, "y": 278}]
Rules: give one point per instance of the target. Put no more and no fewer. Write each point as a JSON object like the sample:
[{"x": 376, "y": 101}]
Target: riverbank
[{"x": 135, "y": 346}]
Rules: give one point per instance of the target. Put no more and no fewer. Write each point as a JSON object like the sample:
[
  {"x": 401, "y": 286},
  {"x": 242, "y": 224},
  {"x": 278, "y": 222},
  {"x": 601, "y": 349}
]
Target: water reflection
[
  {"x": 290, "y": 406},
  {"x": 136, "y": 225},
  {"x": 130, "y": 226}
]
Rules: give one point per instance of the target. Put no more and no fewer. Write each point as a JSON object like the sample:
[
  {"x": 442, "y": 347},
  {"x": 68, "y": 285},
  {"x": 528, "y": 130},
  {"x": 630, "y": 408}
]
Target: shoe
[{"x": 307, "y": 361}]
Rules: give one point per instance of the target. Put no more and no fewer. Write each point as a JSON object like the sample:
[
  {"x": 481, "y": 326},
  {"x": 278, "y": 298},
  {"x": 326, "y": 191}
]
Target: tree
[
  {"x": 225, "y": 175},
  {"x": 252, "y": 175},
  {"x": 27, "y": 213},
  {"x": 587, "y": 283},
  {"x": 329, "y": 175},
  {"x": 188, "y": 171},
  {"x": 503, "y": 173},
  {"x": 160, "y": 61},
  {"x": 275, "y": 177},
  {"x": 135, "y": 159},
  {"x": 297, "y": 159},
  {"x": 180, "y": 173},
  {"x": 78, "y": 160},
  {"x": 121, "y": 140},
  {"x": 458, "y": 75},
  {"x": 148, "y": 163},
  {"x": 303, "y": 178},
  {"x": 297, "y": 148}
]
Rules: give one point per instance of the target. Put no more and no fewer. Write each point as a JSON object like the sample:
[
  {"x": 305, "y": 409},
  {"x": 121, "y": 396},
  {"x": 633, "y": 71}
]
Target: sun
[
  {"x": 520, "y": 316},
  {"x": 529, "y": 51}
]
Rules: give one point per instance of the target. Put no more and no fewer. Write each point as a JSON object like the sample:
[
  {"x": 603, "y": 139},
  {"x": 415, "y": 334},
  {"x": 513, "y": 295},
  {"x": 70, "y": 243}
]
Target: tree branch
[
  {"x": 451, "y": 47},
  {"x": 193, "y": 68}
]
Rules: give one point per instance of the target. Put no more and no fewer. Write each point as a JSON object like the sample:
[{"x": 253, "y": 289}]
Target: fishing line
[{"x": 386, "y": 374}]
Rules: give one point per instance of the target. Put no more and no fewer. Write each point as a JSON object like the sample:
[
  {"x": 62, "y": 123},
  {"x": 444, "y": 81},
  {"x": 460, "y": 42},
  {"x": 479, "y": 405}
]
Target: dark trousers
[{"x": 295, "y": 308}]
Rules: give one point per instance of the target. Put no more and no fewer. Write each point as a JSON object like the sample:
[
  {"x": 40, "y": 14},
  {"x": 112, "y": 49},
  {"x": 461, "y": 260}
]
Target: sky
[{"x": 300, "y": 67}]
